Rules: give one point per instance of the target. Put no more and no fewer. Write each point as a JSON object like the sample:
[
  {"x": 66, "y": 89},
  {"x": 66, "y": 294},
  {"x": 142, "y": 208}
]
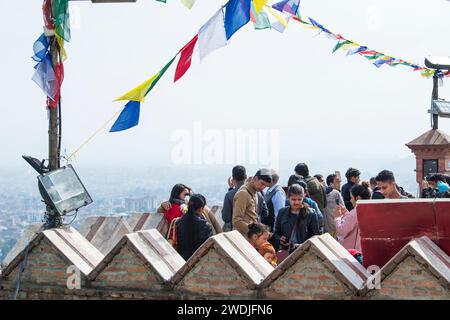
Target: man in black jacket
[
  {"x": 239, "y": 175},
  {"x": 352, "y": 176}
]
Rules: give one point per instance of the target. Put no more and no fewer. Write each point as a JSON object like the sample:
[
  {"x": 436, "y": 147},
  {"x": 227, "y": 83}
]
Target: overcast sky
[{"x": 325, "y": 107}]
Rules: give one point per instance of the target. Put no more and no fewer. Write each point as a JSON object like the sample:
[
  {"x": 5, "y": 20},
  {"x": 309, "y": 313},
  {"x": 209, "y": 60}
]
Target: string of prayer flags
[
  {"x": 378, "y": 59},
  {"x": 128, "y": 118},
  {"x": 211, "y": 35},
  {"x": 237, "y": 15},
  {"x": 185, "y": 58}
]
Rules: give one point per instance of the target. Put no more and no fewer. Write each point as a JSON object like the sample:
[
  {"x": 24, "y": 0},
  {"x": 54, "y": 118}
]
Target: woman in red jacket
[{"x": 178, "y": 200}]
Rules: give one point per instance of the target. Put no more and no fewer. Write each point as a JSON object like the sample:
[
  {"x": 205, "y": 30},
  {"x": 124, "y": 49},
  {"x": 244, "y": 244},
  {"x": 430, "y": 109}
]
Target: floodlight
[
  {"x": 438, "y": 63},
  {"x": 441, "y": 108},
  {"x": 36, "y": 164},
  {"x": 63, "y": 190}
]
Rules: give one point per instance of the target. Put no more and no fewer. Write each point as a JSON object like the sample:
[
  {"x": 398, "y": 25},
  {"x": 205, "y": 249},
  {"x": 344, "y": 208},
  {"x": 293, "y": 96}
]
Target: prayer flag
[
  {"x": 62, "y": 22},
  {"x": 289, "y": 6},
  {"x": 259, "y": 5},
  {"x": 260, "y": 20},
  {"x": 44, "y": 76},
  {"x": 237, "y": 15},
  {"x": 211, "y": 35},
  {"x": 139, "y": 93},
  {"x": 128, "y": 118},
  {"x": 188, "y": 3},
  {"x": 341, "y": 44},
  {"x": 353, "y": 51},
  {"x": 185, "y": 59},
  {"x": 277, "y": 16},
  {"x": 40, "y": 48},
  {"x": 383, "y": 60}
]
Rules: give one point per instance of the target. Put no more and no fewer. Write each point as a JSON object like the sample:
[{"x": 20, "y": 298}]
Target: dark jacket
[
  {"x": 376, "y": 194},
  {"x": 346, "y": 195},
  {"x": 317, "y": 192},
  {"x": 227, "y": 209},
  {"x": 201, "y": 231},
  {"x": 306, "y": 224}
]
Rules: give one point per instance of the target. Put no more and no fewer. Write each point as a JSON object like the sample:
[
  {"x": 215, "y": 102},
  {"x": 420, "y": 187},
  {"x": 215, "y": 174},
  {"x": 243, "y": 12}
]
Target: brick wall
[
  {"x": 309, "y": 279},
  {"x": 410, "y": 280},
  {"x": 213, "y": 276},
  {"x": 223, "y": 268}
]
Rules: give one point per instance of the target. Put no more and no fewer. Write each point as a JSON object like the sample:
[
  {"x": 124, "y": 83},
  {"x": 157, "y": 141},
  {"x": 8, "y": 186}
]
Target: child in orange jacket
[{"x": 257, "y": 236}]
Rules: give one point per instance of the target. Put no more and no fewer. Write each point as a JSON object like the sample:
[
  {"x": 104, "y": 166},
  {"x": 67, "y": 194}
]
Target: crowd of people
[{"x": 276, "y": 219}]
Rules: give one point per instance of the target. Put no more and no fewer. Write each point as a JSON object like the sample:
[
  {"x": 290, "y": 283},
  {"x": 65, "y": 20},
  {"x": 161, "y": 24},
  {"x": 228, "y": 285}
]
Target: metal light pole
[
  {"x": 54, "y": 115},
  {"x": 438, "y": 64},
  {"x": 435, "y": 96}
]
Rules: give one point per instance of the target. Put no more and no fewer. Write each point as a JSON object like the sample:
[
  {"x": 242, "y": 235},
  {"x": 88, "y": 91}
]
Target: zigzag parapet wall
[{"x": 62, "y": 264}]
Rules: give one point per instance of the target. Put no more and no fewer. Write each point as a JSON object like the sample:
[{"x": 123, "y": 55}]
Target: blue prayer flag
[
  {"x": 44, "y": 76},
  {"x": 315, "y": 23},
  {"x": 382, "y": 61},
  {"x": 237, "y": 14},
  {"x": 40, "y": 48},
  {"x": 128, "y": 118},
  {"x": 289, "y": 6}
]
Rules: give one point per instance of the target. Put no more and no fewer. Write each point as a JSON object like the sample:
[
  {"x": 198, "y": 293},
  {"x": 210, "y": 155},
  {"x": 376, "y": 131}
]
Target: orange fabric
[{"x": 266, "y": 247}]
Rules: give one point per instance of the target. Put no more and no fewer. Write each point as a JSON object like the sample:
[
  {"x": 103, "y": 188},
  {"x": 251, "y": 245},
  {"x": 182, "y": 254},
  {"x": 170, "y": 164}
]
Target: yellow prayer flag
[
  {"x": 259, "y": 4},
  {"x": 138, "y": 93},
  {"x": 188, "y": 3},
  {"x": 347, "y": 46},
  {"x": 277, "y": 16},
  {"x": 62, "y": 51}
]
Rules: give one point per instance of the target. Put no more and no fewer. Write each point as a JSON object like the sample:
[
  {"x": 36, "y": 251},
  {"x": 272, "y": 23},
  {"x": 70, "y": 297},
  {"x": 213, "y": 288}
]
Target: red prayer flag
[
  {"x": 185, "y": 59},
  {"x": 59, "y": 74}
]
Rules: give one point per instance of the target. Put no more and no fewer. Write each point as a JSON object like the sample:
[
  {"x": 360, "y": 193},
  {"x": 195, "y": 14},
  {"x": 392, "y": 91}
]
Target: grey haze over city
[{"x": 287, "y": 92}]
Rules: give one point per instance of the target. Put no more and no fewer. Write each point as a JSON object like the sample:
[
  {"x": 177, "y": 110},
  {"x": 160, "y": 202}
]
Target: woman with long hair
[
  {"x": 347, "y": 227},
  {"x": 295, "y": 223},
  {"x": 192, "y": 229},
  {"x": 178, "y": 199}
]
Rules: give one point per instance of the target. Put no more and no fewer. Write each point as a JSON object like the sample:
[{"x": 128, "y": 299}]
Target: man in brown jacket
[{"x": 245, "y": 201}]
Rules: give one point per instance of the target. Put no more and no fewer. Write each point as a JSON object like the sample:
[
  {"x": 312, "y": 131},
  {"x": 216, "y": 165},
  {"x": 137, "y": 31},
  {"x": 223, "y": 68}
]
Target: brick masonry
[
  {"x": 310, "y": 278},
  {"x": 214, "y": 276},
  {"x": 411, "y": 280},
  {"x": 419, "y": 271}
]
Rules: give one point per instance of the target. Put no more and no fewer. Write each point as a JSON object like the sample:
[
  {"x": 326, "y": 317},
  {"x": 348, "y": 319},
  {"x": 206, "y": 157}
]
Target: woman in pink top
[{"x": 347, "y": 227}]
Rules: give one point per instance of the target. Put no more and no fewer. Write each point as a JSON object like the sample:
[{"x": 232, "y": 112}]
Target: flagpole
[{"x": 54, "y": 129}]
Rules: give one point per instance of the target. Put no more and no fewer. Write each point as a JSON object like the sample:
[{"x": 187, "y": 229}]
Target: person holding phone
[{"x": 295, "y": 223}]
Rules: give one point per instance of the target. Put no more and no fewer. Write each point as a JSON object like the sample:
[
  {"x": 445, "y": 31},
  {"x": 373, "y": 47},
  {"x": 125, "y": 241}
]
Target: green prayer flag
[
  {"x": 62, "y": 22},
  {"x": 160, "y": 74}
]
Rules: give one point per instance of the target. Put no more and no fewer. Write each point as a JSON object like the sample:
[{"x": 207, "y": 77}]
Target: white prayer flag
[
  {"x": 212, "y": 35},
  {"x": 188, "y": 3}
]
